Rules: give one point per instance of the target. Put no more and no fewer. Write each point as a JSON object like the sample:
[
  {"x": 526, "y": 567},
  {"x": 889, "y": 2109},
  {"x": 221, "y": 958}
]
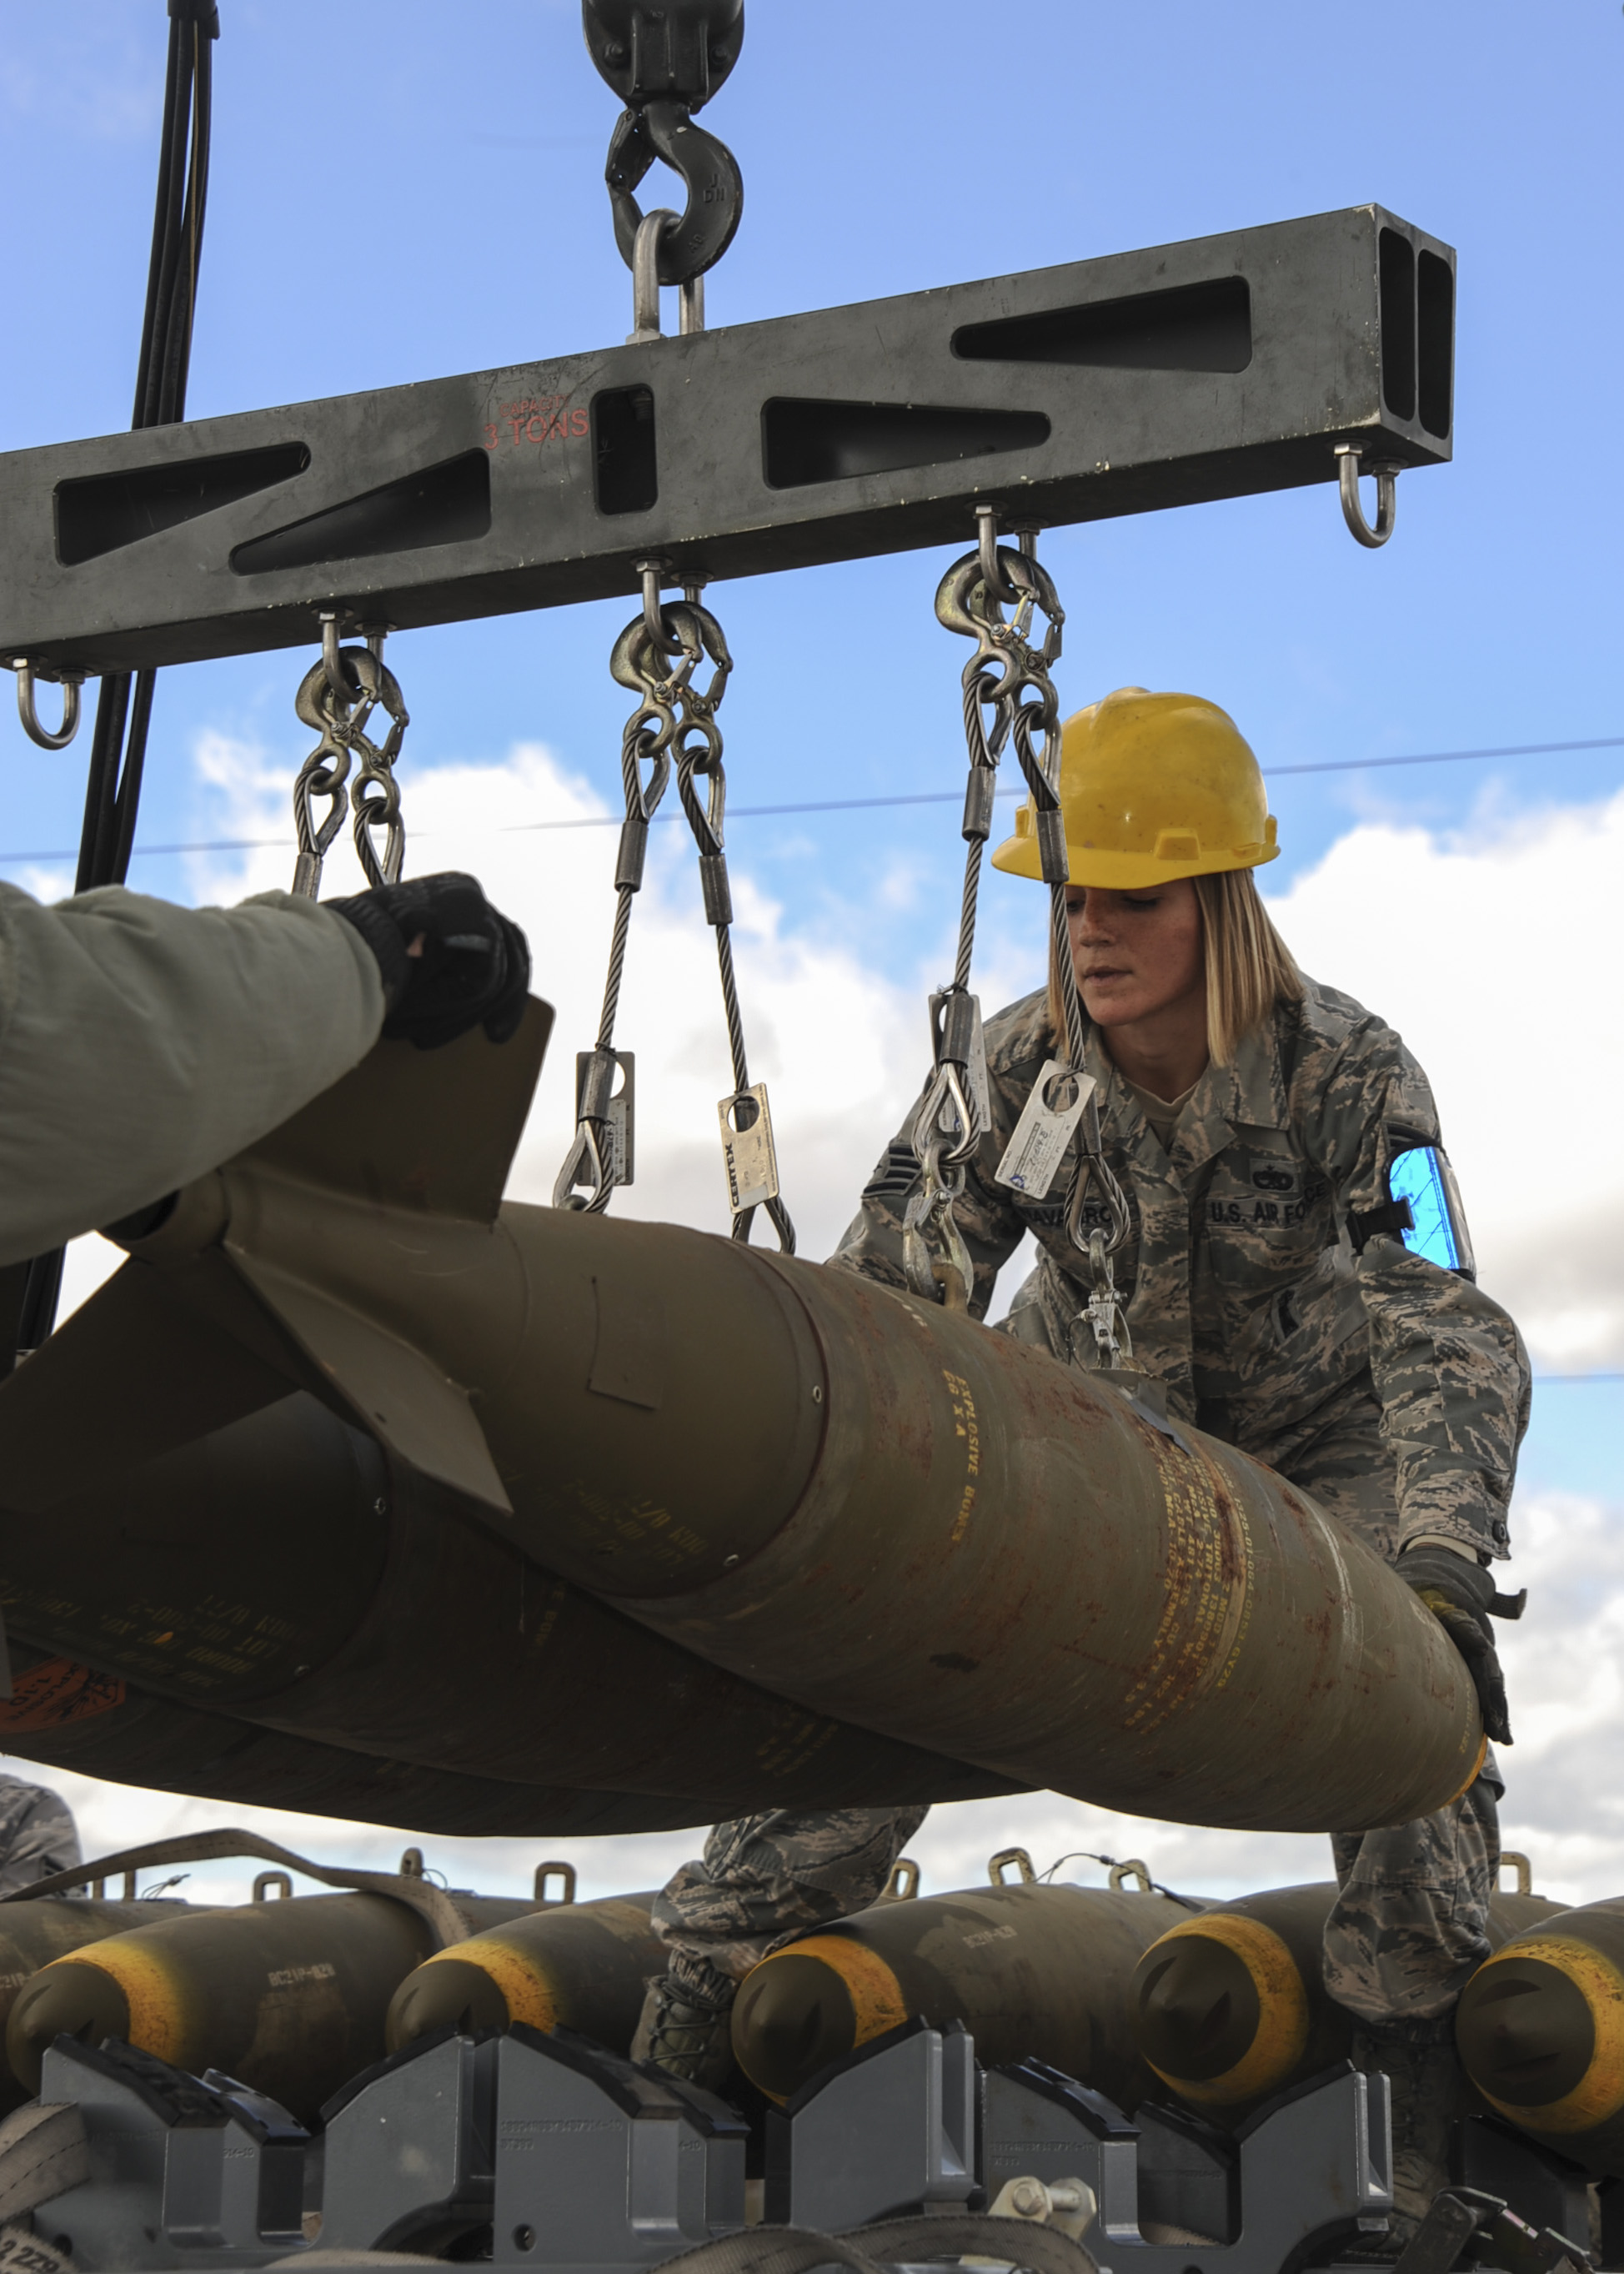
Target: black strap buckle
[{"x": 1392, "y": 1217}]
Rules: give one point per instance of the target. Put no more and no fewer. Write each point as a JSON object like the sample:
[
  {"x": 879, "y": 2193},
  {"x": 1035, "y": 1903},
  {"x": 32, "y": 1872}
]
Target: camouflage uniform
[
  {"x": 1395, "y": 1392},
  {"x": 37, "y": 1834},
  {"x": 766, "y": 1877}
]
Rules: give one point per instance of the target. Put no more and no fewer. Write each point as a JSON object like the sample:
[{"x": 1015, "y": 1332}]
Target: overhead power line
[{"x": 862, "y": 804}]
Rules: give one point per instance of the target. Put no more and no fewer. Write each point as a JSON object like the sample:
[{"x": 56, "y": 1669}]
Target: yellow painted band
[
  {"x": 1478, "y": 1758},
  {"x": 1599, "y": 2092},
  {"x": 157, "y": 2024},
  {"x": 527, "y": 1993},
  {"x": 877, "y": 2002},
  {"x": 1281, "y": 2036}
]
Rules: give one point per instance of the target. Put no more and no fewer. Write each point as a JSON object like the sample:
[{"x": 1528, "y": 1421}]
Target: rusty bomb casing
[
  {"x": 281, "y": 1569},
  {"x": 1030, "y": 1970},
  {"x": 1231, "y": 2008},
  {"x": 857, "y": 1500},
  {"x": 70, "y": 1715},
  {"x": 290, "y": 1997},
  {"x": 576, "y": 1966},
  {"x": 1540, "y": 2032},
  {"x": 32, "y": 1934}
]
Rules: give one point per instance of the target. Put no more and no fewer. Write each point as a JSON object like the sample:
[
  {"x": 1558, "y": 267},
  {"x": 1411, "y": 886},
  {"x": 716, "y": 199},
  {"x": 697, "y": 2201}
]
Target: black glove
[
  {"x": 1460, "y": 1595},
  {"x": 473, "y": 969}
]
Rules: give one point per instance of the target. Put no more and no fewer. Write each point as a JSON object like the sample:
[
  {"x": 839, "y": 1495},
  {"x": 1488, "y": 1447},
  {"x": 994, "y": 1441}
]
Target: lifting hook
[
  {"x": 71, "y": 683},
  {"x": 664, "y": 63},
  {"x": 1386, "y": 473}
]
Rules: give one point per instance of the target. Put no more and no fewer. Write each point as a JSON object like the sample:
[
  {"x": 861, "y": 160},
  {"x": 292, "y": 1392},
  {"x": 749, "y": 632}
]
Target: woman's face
[{"x": 1136, "y": 954}]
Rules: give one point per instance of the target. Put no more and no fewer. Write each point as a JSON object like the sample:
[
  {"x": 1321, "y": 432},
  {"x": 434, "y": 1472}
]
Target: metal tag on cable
[
  {"x": 749, "y": 1154},
  {"x": 1059, "y": 1098},
  {"x": 615, "y": 1116}
]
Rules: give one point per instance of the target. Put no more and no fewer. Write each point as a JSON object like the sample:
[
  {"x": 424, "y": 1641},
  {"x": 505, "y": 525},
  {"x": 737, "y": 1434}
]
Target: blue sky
[{"x": 407, "y": 190}]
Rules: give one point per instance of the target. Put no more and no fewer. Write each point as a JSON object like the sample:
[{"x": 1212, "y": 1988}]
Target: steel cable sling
[
  {"x": 1009, "y": 697},
  {"x": 656, "y": 656},
  {"x": 124, "y": 704}
]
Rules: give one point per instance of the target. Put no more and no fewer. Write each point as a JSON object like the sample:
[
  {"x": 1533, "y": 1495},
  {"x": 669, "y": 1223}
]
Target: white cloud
[
  {"x": 839, "y": 1045},
  {"x": 1492, "y": 952}
]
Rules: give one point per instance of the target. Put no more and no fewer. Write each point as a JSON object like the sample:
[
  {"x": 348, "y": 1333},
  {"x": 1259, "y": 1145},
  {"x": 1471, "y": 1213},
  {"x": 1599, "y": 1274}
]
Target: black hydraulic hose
[{"x": 124, "y": 704}]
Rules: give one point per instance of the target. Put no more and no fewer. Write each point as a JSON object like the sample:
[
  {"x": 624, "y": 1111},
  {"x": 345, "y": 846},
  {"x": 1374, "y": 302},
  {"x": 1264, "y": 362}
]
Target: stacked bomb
[
  {"x": 1224, "y": 2005},
  {"x": 1231, "y": 2008},
  {"x": 1030, "y": 1969},
  {"x": 295, "y": 1997},
  {"x": 1540, "y": 2031},
  {"x": 34, "y": 1933}
]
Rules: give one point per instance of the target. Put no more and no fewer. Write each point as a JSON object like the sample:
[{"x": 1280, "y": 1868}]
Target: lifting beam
[{"x": 1215, "y": 368}]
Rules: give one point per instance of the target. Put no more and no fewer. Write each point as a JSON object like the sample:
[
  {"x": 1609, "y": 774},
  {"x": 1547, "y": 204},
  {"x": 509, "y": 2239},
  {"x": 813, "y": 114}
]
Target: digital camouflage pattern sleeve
[
  {"x": 37, "y": 1834},
  {"x": 1448, "y": 1365}
]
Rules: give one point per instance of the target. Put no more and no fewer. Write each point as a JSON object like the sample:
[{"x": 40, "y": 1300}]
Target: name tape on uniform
[{"x": 1044, "y": 1130}]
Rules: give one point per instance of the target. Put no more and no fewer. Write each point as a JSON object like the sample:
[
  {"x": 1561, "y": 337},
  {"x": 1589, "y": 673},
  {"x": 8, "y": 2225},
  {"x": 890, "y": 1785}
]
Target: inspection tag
[
  {"x": 747, "y": 1150},
  {"x": 1051, "y": 1113}
]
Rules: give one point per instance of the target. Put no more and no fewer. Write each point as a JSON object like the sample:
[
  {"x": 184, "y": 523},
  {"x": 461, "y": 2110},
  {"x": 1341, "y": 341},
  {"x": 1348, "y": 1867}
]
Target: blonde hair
[{"x": 1249, "y": 967}]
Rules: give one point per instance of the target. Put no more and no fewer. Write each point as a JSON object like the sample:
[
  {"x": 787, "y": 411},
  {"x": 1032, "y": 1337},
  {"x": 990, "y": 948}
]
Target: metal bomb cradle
[{"x": 1259, "y": 360}]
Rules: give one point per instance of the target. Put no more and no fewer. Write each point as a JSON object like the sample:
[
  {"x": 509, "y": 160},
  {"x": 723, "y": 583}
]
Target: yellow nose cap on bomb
[
  {"x": 67, "y": 1998},
  {"x": 1153, "y": 788},
  {"x": 809, "y": 2005},
  {"x": 1220, "y": 2009},
  {"x": 1540, "y": 2031}
]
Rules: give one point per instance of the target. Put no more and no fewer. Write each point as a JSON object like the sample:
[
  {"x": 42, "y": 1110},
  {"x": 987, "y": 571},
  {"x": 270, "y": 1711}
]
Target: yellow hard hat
[{"x": 1152, "y": 788}]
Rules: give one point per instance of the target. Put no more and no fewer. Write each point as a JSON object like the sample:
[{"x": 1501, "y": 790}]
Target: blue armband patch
[{"x": 1421, "y": 1178}]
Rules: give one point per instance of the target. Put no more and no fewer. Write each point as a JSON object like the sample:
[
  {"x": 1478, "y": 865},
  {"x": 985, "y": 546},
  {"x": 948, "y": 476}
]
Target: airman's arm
[
  {"x": 1448, "y": 1363},
  {"x": 142, "y": 1045}
]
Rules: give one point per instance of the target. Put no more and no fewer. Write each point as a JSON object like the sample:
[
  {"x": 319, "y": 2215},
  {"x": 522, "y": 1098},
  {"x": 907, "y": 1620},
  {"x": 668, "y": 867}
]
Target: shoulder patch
[{"x": 895, "y": 1175}]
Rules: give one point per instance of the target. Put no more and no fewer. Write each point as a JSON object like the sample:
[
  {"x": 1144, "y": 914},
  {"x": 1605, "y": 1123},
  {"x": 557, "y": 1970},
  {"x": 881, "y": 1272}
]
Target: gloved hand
[
  {"x": 473, "y": 966},
  {"x": 1459, "y": 1595}
]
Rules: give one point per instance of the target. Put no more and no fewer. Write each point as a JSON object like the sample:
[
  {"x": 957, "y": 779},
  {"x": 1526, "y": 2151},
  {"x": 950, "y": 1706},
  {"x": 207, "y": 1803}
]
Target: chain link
[
  {"x": 1009, "y": 697},
  {"x": 337, "y": 698}
]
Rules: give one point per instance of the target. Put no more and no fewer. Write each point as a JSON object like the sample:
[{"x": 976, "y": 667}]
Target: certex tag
[
  {"x": 747, "y": 1150},
  {"x": 1052, "y": 1112}
]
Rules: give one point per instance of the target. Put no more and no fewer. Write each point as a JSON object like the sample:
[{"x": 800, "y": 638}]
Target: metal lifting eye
[
  {"x": 37, "y": 733},
  {"x": 1386, "y": 473}
]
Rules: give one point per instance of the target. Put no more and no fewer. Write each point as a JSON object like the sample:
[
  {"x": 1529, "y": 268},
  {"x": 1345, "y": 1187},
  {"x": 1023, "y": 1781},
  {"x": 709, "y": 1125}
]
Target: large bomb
[
  {"x": 428, "y": 1639},
  {"x": 1540, "y": 2032},
  {"x": 34, "y": 1932},
  {"x": 289, "y": 1996},
  {"x": 1231, "y": 2008},
  {"x": 576, "y": 1966},
  {"x": 73, "y": 1716},
  {"x": 856, "y": 1500},
  {"x": 1029, "y": 1970}
]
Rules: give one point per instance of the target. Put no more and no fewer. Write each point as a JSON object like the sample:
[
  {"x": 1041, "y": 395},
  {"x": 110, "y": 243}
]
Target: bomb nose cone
[
  {"x": 67, "y": 2000},
  {"x": 1198, "y": 2009},
  {"x": 1526, "y": 2032},
  {"x": 449, "y": 1994},
  {"x": 794, "y": 2015}
]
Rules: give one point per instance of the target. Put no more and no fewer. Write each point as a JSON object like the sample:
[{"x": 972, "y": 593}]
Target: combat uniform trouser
[
  {"x": 1408, "y": 1929},
  {"x": 767, "y": 1878}
]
